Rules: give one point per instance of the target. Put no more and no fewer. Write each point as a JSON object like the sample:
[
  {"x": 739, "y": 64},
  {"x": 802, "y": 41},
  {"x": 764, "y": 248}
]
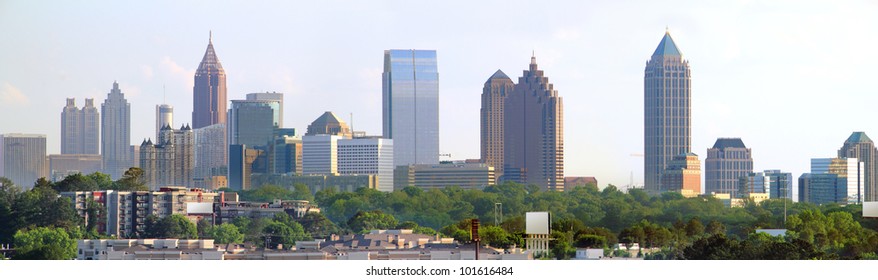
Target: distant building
[
  {"x": 683, "y": 174},
  {"x": 443, "y": 175},
  {"x": 277, "y": 105},
  {"x": 209, "y": 93},
  {"x": 494, "y": 94},
  {"x": 316, "y": 183},
  {"x": 329, "y": 124},
  {"x": 251, "y": 122},
  {"x": 775, "y": 183},
  {"x": 726, "y": 163},
  {"x": 211, "y": 154},
  {"x": 126, "y": 212},
  {"x": 286, "y": 154},
  {"x": 116, "y": 133},
  {"x": 367, "y": 156},
  {"x": 572, "y": 182},
  {"x": 164, "y": 116},
  {"x": 533, "y": 132},
  {"x": 410, "y": 110},
  {"x": 227, "y": 211},
  {"x": 23, "y": 158},
  {"x": 320, "y": 154},
  {"x": 667, "y": 117},
  {"x": 80, "y": 128},
  {"x": 61, "y": 166},
  {"x": 242, "y": 162},
  {"x": 833, "y": 180},
  {"x": 859, "y": 146},
  {"x": 170, "y": 161}
]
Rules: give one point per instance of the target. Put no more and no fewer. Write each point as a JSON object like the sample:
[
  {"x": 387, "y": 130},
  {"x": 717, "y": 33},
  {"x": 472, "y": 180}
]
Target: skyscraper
[
  {"x": 171, "y": 160},
  {"x": 23, "y": 158},
  {"x": 211, "y": 152},
  {"x": 410, "y": 93},
  {"x": 329, "y": 123},
  {"x": 859, "y": 146},
  {"x": 251, "y": 122},
  {"x": 667, "y": 110},
  {"x": 164, "y": 116},
  {"x": 726, "y": 163},
  {"x": 494, "y": 94},
  {"x": 116, "y": 133},
  {"x": 533, "y": 132},
  {"x": 278, "y": 107},
  {"x": 209, "y": 93},
  {"x": 80, "y": 128}
]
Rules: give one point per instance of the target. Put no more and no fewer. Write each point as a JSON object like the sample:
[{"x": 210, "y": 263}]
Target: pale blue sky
[{"x": 792, "y": 78}]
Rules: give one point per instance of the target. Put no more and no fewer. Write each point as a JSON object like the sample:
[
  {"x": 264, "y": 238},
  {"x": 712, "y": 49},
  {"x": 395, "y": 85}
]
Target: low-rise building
[
  {"x": 148, "y": 249},
  {"x": 443, "y": 175}
]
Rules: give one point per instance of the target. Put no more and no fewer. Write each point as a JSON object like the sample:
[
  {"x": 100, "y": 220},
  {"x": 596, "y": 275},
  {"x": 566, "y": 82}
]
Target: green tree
[
  {"x": 44, "y": 243},
  {"x": 225, "y": 234},
  {"x": 173, "y": 226},
  {"x": 133, "y": 180},
  {"x": 364, "y": 221},
  {"x": 495, "y": 236},
  {"x": 319, "y": 226},
  {"x": 302, "y": 192},
  {"x": 280, "y": 233}
]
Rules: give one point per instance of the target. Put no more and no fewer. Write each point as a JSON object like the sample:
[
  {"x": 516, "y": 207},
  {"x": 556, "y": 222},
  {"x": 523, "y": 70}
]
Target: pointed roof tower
[
  {"x": 499, "y": 75},
  {"x": 858, "y": 137},
  {"x": 667, "y": 47},
  {"x": 210, "y": 63}
]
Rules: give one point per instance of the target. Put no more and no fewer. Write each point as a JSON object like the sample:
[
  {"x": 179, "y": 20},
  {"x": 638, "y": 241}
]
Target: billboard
[
  {"x": 195, "y": 208},
  {"x": 870, "y": 209},
  {"x": 537, "y": 223}
]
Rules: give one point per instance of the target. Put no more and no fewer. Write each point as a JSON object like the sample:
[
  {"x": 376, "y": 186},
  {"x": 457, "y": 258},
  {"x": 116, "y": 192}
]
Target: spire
[
  {"x": 210, "y": 63},
  {"x": 210, "y": 37},
  {"x": 533, "y": 57},
  {"x": 667, "y": 47}
]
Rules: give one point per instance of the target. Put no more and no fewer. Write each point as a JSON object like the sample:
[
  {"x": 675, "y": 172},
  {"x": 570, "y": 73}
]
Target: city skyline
[{"x": 782, "y": 65}]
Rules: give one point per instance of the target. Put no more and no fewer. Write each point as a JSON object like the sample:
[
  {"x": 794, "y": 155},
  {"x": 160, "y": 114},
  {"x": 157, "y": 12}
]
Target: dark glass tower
[
  {"x": 209, "y": 93},
  {"x": 667, "y": 111}
]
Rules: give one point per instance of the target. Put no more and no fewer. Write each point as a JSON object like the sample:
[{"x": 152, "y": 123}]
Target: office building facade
[
  {"x": 329, "y": 124},
  {"x": 834, "y": 180},
  {"x": 23, "y": 158},
  {"x": 209, "y": 93},
  {"x": 860, "y": 146},
  {"x": 410, "y": 99},
  {"x": 683, "y": 175},
  {"x": 277, "y": 105},
  {"x": 726, "y": 163},
  {"x": 80, "y": 128},
  {"x": 320, "y": 154},
  {"x": 667, "y": 110},
  {"x": 367, "y": 156},
  {"x": 211, "y": 153},
  {"x": 443, "y": 175},
  {"x": 494, "y": 93},
  {"x": 533, "y": 132},
  {"x": 251, "y": 122},
  {"x": 116, "y": 133},
  {"x": 164, "y": 116}
]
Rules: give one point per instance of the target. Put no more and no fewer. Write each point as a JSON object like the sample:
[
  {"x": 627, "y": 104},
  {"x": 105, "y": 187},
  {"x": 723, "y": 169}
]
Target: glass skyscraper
[{"x": 410, "y": 91}]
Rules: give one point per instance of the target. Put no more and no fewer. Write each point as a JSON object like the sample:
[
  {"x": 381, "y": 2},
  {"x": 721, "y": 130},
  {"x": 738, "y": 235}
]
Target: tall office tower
[
  {"x": 533, "y": 132},
  {"x": 184, "y": 156},
  {"x": 683, "y": 175},
  {"x": 320, "y": 154},
  {"x": 242, "y": 161},
  {"x": 726, "y": 163},
  {"x": 211, "y": 152},
  {"x": 858, "y": 145},
  {"x": 70, "y": 128},
  {"x": 367, "y": 156},
  {"x": 171, "y": 161},
  {"x": 410, "y": 97},
  {"x": 209, "y": 92},
  {"x": 164, "y": 116},
  {"x": 833, "y": 180},
  {"x": 330, "y": 124},
  {"x": 278, "y": 107},
  {"x": 80, "y": 128},
  {"x": 667, "y": 110},
  {"x": 116, "y": 133},
  {"x": 494, "y": 94},
  {"x": 780, "y": 184},
  {"x": 286, "y": 155},
  {"x": 251, "y": 122},
  {"x": 23, "y": 158}
]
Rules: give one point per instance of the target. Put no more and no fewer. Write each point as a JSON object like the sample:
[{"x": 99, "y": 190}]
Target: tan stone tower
[{"x": 494, "y": 94}]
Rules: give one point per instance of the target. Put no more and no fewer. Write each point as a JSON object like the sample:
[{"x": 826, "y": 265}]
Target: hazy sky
[{"x": 792, "y": 78}]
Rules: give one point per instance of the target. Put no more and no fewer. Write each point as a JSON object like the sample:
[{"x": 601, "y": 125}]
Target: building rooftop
[
  {"x": 499, "y": 75},
  {"x": 723, "y": 143},
  {"x": 858, "y": 137},
  {"x": 667, "y": 47}
]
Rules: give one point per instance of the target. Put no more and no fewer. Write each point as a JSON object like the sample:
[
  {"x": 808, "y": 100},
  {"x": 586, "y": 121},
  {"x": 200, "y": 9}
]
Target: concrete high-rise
[
  {"x": 726, "y": 163},
  {"x": 251, "y": 122},
  {"x": 367, "y": 156},
  {"x": 278, "y": 107},
  {"x": 494, "y": 94},
  {"x": 164, "y": 116},
  {"x": 667, "y": 110},
  {"x": 211, "y": 153},
  {"x": 533, "y": 132},
  {"x": 80, "y": 128},
  {"x": 209, "y": 93},
  {"x": 171, "y": 160},
  {"x": 320, "y": 154},
  {"x": 859, "y": 146},
  {"x": 116, "y": 133},
  {"x": 410, "y": 98},
  {"x": 23, "y": 158}
]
